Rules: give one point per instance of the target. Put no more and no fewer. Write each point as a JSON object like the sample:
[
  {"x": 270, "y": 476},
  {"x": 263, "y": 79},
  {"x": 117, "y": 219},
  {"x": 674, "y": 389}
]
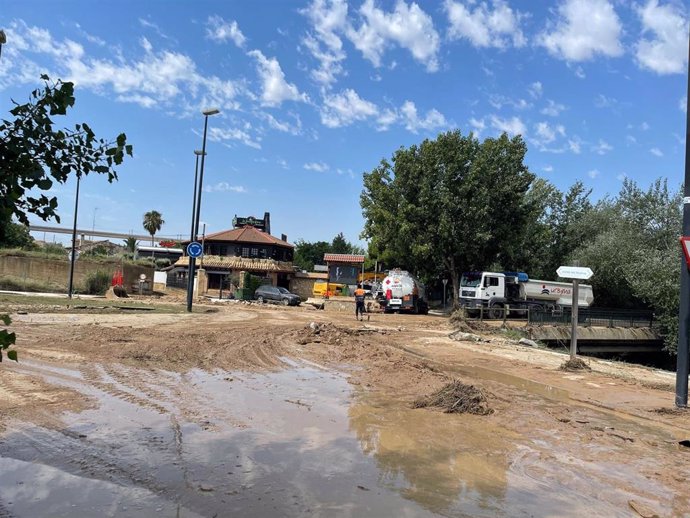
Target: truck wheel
[{"x": 496, "y": 312}]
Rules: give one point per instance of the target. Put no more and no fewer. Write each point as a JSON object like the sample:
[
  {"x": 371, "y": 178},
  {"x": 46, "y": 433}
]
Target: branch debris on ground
[
  {"x": 457, "y": 397},
  {"x": 575, "y": 364}
]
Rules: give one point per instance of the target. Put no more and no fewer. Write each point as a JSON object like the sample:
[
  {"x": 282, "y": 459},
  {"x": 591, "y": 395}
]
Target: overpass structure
[{"x": 100, "y": 233}]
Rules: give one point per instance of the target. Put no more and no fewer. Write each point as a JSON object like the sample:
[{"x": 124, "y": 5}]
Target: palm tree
[
  {"x": 131, "y": 244},
  {"x": 153, "y": 221}
]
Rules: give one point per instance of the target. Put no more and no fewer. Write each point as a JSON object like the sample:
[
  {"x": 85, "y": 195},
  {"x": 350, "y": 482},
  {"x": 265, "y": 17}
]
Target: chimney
[
  {"x": 283, "y": 237},
  {"x": 267, "y": 223}
]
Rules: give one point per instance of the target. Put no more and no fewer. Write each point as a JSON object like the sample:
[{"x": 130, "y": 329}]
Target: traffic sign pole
[{"x": 573, "y": 332}]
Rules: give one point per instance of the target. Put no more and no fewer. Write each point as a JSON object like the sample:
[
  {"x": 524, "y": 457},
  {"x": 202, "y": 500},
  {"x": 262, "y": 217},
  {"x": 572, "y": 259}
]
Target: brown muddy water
[{"x": 299, "y": 442}]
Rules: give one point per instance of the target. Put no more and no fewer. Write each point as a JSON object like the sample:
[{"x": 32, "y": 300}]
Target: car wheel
[
  {"x": 260, "y": 299},
  {"x": 285, "y": 302}
]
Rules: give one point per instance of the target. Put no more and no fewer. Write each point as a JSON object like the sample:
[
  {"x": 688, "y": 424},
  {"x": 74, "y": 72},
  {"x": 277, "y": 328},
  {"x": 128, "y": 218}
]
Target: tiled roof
[
  {"x": 246, "y": 234},
  {"x": 241, "y": 264},
  {"x": 343, "y": 258}
]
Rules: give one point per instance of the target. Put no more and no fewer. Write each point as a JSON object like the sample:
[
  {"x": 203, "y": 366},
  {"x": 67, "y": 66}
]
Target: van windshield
[{"x": 470, "y": 279}]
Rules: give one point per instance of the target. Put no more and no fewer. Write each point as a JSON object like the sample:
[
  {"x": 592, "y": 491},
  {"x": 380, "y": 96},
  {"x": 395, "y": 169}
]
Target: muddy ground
[{"x": 272, "y": 411}]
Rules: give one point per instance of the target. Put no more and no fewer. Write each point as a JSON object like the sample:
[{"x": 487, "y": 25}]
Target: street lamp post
[
  {"x": 74, "y": 241},
  {"x": 3, "y": 39},
  {"x": 195, "y": 221},
  {"x": 198, "y": 153}
]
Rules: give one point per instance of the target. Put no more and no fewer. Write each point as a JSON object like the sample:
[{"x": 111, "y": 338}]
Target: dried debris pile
[
  {"x": 575, "y": 364},
  {"x": 457, "y": 397}
]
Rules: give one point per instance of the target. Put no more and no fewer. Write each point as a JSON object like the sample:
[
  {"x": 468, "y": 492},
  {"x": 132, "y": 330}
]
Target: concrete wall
[
  {"x": 56, "y": 271},
  {"x": 303, "y": 287}
]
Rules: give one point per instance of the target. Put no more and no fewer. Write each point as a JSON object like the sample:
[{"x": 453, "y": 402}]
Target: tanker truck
[
  {"x": 494, "y": 291},
  {"x": 400, "y": 291}
]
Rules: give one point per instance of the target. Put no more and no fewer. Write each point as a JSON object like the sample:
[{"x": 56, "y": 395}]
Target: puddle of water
[{"x": 293, "y": 443}]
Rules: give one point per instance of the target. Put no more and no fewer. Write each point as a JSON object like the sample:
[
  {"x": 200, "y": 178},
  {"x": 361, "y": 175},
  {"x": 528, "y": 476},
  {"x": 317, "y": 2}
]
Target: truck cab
[{"x": 478, "y": 288}]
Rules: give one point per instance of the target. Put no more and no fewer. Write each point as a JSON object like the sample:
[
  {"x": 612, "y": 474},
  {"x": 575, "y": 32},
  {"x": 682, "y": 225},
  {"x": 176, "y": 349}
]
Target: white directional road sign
[{"x": 574, "y": 272}]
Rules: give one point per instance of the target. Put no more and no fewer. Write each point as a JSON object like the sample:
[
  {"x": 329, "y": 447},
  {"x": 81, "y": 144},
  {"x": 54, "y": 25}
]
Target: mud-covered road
[{"x": 251, "y": 411}]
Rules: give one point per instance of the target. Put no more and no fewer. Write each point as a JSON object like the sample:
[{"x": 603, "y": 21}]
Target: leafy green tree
[
  {"x": 153, "y": 221},
  {"x": 339, "y": 245},
  {"x": 16, "y": 235},
  {"x": 308, "y": 254},
  {"x": 635, "y": 254},
  {"x": 34, "y": 155},
  {"x": 449, "y": 204}
]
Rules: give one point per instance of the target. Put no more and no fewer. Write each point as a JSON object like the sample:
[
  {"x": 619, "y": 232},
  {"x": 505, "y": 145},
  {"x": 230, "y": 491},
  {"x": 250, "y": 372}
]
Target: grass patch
[
  {"x": 513, "y": 334},
  {"x": 36, "y": 304},
  {"x": 12, "y": 283}
]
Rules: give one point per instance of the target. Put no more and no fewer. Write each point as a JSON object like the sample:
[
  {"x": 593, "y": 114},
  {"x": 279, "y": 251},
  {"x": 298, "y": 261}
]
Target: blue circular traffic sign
[{"x": 194, "y": 249}]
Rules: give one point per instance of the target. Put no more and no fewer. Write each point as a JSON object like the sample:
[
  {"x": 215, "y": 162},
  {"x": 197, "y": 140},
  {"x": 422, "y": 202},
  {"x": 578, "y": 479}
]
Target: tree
[
  {"x": 449, "y": 204},
  {"x": 16, "y": 236},
  {"x": 130, "y": 244},
  {"x": 635, "y": 254},
  {"x": 308, "y": 254},
  {"x": 153, "y": 221},
  {"x": 339, "y": 245},
  {"x": 34, "y": 155}
]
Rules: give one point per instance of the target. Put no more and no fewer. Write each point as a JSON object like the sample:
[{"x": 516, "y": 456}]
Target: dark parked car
[{"x": 276, "y": 294}]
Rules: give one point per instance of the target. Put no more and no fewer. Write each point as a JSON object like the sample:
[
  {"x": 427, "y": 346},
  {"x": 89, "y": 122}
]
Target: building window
[
  {"x": 255, "y": 252},
  {"x": 245, "y": 252},
  {"x": 262, "y": 253}
]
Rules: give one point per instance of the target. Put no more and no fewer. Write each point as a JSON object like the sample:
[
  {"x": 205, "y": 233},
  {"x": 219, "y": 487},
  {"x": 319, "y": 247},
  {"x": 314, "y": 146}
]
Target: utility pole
[{"x": 683, "y": 365}]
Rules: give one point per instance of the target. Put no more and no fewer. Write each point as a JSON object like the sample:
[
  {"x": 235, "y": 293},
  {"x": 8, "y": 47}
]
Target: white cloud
[
  {"x": 478, "y": 125},
  {"x": 666, "y": 52},
  {"x": 553, "y": 109},
  {"x": 498, "y": 101},
  {"x": 319, "y": 167},
  {"x": 603, "y": 101},
  {"x": 328, "y": 18},
  {"x": 282, "y": 163},
  {"x": 432, "y": 120},
  {"x": 276, "y": 89},
  {"x": 157, "y": 79},
  {"x": 621, "y": 177},
  {"x": 631, "y": 139},
  {"x": 484, "y": 27},
  {"x": 602, "y": 147},
  {"x": 683, "y": 104},
  {"x": 225, "y": 187},
  {"x": 580, "y": 73},
  {"x": 407, "y": 26},
  {"x": 218, "y": 134},
  {"x": 656, "y": 152},
  {"x": 283, "y": 125},
  {"x": 584, "y": 29},
  {"x": 535, "y": 90},
  {"x": 593, "y": 173},
  {"x": 545, "y": 133},
  {"x": 220, "y": 30},
  {"x": 512, "y": 126},
  {"x": 645, "y": 126},
  {"x": 386, "y": 118},
  {"x": 345, "y": 108},
  {"x": 547, "y": 168},
  {"x": 574, "y": 145}
]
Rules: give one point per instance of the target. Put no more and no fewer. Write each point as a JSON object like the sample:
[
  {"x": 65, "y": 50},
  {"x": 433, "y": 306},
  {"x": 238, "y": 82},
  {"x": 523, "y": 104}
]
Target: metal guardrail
[{"x": 600, "y": 317}]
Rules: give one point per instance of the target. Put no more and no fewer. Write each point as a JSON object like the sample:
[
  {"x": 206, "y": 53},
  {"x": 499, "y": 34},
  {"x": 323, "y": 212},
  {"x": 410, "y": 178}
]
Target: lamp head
[
  {"x": 199, "y": 152},
  {"x": 3, "y": 37},
  {"x": 210, "y": 111}
]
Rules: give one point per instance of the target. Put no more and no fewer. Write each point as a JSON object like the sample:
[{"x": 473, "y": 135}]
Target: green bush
[
  {"x": 162, "y": 263},
  {"x": 97, "y": 283},
  {"x": 53, "y": 249}
]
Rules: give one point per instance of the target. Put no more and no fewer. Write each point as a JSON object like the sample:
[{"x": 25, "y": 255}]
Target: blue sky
[{"x": 314, "y": 93}]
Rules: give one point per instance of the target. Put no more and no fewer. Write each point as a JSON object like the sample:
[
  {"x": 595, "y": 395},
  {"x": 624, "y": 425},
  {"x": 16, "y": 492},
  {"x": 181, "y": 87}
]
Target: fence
[{"x": 600, "y": 317}]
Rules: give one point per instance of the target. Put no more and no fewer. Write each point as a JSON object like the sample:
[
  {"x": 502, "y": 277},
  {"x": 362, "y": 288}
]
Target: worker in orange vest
[{"x": 359, "y": 302}]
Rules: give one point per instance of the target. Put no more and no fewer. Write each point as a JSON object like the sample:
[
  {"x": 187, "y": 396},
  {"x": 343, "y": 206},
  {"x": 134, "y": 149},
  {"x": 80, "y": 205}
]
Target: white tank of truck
[
  {"x": 400, "y": 291},
  {"x": 494, "y": 290}
]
